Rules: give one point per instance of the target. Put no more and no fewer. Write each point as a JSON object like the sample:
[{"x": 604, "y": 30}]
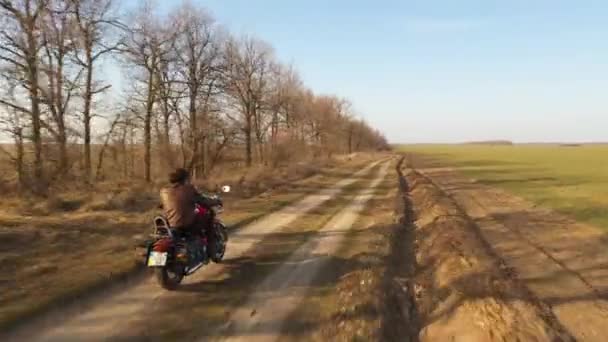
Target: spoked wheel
[{"x": 170, "y": 276}]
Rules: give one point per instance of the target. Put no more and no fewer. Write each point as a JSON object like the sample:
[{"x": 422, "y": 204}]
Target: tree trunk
[
  {"x": 274, "y": 130},
  {"x": 193, "y": 125},
  {"x": 104, "y": 147},
  {"x": 20, "y": 156},
  {"x": 148, "y": 150},
  {"x": 125, "y": 153},
  {"x": 350, "y": 141},
  {"x": 202, "y": 158},
  {"x": 63, "y": 151},
  {"x": 86, "y": 118},
  {"x": 60, "y": 108},
  {"x": 204, "y": 140},
  {"x": 148, "y": 129},
  {"x": 168, "y": 157},
  {"x": 247, "y": 130},
  {"x": 133, "y": 154},
  {"x": 259, "y": 135},
  {"x": 32, "y": 63}
]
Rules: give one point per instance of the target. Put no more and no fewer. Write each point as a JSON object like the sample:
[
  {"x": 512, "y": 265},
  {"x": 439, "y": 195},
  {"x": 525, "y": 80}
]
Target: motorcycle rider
[{"x": 178, "y": 201}]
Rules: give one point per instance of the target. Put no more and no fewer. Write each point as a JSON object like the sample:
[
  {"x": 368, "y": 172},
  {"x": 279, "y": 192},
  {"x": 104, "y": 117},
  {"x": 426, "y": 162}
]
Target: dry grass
[
  {"x": 74, "y": 241},
  {"x": 259, "y": 179}
]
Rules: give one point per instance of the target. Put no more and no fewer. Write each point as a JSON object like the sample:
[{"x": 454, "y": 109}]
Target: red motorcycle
[{"x": 173, "y": 255}]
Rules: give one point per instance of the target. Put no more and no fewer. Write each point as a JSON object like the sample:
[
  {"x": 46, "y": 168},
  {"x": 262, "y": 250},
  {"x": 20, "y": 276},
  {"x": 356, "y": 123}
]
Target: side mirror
[{"x": 226, "y": 188}]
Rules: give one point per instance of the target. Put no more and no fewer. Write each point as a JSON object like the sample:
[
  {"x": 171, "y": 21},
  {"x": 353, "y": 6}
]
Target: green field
[{"x": 571, "y": 180}]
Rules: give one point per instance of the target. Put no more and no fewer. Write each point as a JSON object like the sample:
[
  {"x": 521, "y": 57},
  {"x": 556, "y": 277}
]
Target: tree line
[{"x": 191, "y": 94}]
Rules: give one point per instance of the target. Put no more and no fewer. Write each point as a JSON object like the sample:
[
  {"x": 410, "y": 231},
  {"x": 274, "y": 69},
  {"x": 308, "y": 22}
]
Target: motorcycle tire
[
  {"x": 169, "y": 279},
  {"x": 217, "y": 252}
]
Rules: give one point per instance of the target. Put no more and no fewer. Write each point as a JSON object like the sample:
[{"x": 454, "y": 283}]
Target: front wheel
[
  {"x": 169, "y": 277},
  {"x": 218, "y": 249}
]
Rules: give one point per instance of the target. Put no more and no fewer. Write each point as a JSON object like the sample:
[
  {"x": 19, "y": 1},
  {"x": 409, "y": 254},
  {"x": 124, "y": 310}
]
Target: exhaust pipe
[{"x": 194, "y": 269}]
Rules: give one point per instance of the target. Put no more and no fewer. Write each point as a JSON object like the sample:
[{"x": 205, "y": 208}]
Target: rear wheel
[{"x": 170, "y": 276}]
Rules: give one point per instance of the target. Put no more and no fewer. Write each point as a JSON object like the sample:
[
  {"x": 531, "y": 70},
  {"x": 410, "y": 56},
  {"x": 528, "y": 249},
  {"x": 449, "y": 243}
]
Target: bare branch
[{"x": 14, "y": 106}]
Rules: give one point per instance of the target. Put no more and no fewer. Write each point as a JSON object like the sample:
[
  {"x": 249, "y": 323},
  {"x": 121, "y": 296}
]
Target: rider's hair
[{"x": 179, "y": 176}]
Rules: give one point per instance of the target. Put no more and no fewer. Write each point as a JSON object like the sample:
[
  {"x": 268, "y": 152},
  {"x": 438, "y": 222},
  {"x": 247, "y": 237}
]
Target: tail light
[{"x": 162, "y": 245}]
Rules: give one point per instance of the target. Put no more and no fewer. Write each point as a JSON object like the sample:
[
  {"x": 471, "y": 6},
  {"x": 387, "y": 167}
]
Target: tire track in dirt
[
  {"x": 547, "y": 254},
  {"x": 261, "y": 318},
  {"x": 113, "y": 316},
  {"x": 559, "y": 261},
  {"x": 372, "y": 296}
]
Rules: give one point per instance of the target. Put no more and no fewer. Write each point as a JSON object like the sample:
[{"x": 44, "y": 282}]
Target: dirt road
[
  {"x": 563, "y": 263},
  {"x": 261, "y": 318},
  {"x": 144, "y": 310}
]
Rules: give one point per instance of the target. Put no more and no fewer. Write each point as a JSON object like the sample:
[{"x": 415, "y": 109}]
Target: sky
[{"x": 446, "y": 71}]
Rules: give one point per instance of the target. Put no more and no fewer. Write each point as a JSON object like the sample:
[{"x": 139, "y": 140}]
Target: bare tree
[
  {"x": 14, "y": 124},
  {"x": 198, "y": 56},
  {"x": 148, "y": 45},
  {"x": 168, "y": 97},
  {"x": 247, "y": 73},
  {"x": 99, "y": 33},
  {"x": 20, "y": 44},
  {"x": 285, "y": 88},
  {"x": 61, "y": 81}
]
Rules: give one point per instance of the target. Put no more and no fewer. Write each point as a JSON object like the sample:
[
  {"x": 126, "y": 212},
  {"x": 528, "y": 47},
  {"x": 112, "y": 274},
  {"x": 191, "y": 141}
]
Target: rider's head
[{"x": 179, "y": 176}]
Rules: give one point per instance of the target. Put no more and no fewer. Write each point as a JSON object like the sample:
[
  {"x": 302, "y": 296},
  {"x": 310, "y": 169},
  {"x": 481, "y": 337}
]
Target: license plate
[{"x": 157, "y": 259}]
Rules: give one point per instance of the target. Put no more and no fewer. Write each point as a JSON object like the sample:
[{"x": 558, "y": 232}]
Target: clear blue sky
[{"x": 428, "y": 71}]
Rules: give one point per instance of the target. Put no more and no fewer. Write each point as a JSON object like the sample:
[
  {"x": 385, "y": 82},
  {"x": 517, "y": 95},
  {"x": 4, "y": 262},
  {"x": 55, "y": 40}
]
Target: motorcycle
[{"x": 173, "y": 255}]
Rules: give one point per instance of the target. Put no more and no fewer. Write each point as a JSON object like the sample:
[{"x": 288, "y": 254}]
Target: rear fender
[{"x": 162, "y": 245}]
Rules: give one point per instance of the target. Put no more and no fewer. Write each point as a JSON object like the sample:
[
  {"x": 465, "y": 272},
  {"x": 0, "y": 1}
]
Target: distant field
[{"x": 570, "y": 179}]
